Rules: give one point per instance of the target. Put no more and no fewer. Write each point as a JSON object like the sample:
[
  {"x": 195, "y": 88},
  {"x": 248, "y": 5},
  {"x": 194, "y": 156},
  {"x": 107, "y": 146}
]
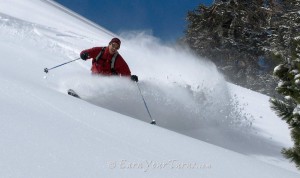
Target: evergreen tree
[
  {"x": 236, "y": 35},
  {"x": 289, "y": 109},
  {"x": 289, "y": 74}
]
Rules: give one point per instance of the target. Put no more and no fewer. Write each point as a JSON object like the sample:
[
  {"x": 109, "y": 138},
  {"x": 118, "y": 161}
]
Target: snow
[
  {"x": 297, "y": 38},
  {"x": 294, "y": 72},
  {"x": 277, "y": 68},
  {"x": 297, "y": 110},
  {"x": 288, "y": 97},
  {"x": 206, "y": 126},
  {"x": 281, "y": 83}
]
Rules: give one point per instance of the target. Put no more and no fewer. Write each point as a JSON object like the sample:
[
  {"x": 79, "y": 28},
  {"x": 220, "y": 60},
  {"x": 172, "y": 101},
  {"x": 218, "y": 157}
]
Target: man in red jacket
[{"x": 107, "y": 61}]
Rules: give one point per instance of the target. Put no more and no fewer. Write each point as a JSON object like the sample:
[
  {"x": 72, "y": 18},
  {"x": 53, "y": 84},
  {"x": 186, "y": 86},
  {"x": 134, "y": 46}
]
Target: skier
[{"x": 107, "y": 61}]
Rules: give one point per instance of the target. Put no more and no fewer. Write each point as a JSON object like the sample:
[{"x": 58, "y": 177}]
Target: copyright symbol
[{"x": 112, "y": 165}]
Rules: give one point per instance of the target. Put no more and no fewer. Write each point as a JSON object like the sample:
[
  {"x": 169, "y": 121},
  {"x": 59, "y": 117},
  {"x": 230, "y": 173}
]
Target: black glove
[
  {"x": 84, "y": 56},
  {"x": 134, "y": 78}
]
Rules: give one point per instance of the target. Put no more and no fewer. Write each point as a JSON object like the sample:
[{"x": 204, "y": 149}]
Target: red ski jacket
[{"x": 103, "y": 65}]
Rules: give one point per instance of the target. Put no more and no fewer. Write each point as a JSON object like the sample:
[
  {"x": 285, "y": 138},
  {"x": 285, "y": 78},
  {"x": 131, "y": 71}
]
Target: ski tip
[
  {"x": 153, "y": 122},
  {"x": 73, "y": 93},
  {"x": 70, "y": 90}
]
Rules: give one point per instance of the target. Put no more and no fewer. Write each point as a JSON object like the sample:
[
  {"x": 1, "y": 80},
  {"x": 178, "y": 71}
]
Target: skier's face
[{"x": 113, "y": 48}]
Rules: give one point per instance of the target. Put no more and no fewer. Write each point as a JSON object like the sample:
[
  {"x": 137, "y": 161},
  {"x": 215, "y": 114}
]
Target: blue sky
[{"x": 165, "y": 18}]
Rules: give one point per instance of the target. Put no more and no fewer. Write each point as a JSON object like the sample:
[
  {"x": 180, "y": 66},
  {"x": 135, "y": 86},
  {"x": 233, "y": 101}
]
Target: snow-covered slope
[{"x": 46, "y": 133}]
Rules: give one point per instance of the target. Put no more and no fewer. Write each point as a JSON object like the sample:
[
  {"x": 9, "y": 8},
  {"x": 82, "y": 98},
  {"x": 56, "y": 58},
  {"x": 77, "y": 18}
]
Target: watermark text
[{"x": 148, "y": 165}]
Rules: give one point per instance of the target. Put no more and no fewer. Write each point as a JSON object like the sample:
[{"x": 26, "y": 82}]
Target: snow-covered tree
[
  {"x": 289, "y": 108},
  {"x": 235, "y": 35},
  {"x": 288, "y": 72}
]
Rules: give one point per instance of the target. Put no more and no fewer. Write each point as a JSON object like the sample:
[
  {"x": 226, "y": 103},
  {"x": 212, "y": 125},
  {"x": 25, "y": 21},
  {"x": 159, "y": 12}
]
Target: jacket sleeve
[
  {"x": 121, "y": 67},
  {"x": 93, "y": 52}
]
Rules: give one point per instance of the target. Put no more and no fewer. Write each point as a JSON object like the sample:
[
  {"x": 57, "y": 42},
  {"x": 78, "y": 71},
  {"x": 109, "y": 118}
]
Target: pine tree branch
[{"x": 282, "y": 109}]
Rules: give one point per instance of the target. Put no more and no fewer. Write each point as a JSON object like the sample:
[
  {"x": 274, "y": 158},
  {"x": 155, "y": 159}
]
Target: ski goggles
[{"x": 115, "y": 46}]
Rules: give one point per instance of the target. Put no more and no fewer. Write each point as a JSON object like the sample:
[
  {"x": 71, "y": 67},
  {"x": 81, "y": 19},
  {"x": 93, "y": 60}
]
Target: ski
[{"x": 73, "y": 93}]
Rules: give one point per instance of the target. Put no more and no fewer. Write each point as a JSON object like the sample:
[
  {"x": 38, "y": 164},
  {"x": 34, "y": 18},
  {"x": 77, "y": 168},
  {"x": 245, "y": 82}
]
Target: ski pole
[
  {"x": 47, "y": 70},
  {"x": 152, "y": 120}
]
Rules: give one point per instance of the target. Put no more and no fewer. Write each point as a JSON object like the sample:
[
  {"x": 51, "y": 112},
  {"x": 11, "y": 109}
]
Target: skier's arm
[
  {"x": 90, "y": 53},
  {"x": 122, "y": 67}
]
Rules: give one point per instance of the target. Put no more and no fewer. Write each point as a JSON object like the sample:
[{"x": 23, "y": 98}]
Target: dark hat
[{"x": 115, "y": 40}]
